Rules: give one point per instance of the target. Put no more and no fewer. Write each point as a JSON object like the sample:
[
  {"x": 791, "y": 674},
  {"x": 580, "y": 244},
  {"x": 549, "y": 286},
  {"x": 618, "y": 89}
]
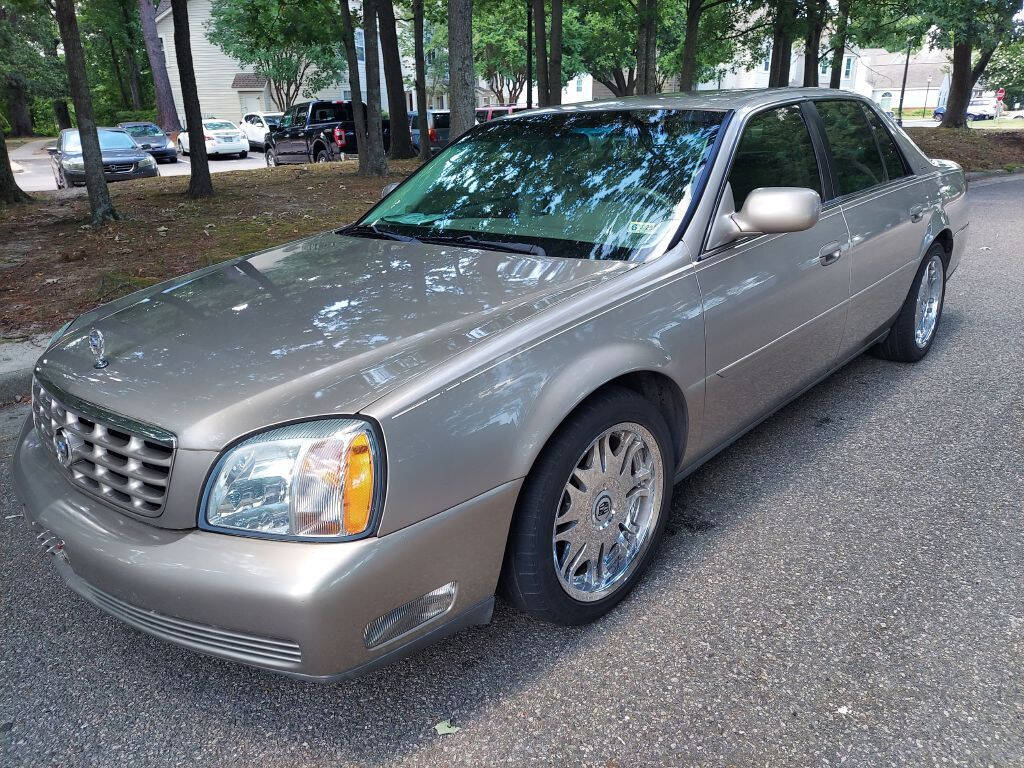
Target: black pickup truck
[{"x": 316, "y": 132}]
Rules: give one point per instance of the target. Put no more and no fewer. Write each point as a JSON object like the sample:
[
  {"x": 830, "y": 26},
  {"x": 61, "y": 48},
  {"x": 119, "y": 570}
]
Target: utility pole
[
  {"x": 903, "y": 88},
  {"x": 529, "y": 54},
  {"x": 927, "y": 87}
]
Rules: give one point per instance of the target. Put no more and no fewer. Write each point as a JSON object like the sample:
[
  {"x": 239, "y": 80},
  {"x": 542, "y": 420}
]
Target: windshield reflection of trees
[{"x": 595, "y": 185}]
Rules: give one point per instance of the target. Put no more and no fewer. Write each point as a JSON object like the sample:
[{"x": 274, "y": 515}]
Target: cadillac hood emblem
[{"x": 98, "y": 346}]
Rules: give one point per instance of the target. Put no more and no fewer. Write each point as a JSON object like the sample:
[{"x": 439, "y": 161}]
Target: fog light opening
[{"x": 408, "y": 617}]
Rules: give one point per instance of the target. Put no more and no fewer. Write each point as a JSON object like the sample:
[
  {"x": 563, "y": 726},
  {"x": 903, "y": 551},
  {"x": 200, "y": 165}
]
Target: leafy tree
[
  {"x": 29, "y": 66},
  {"x": 401, "y": 139},
  {"x": 377, "y": 164},
  {"x": 287, "y": 43},
  {"x": 973, "y": 29},
  {"x": 499, "y": 47},
  {"x": 1006, "y": 70},
  {"x": 420, "y": 85},
  {"x": 10, "y": 192},
  {"x": 167, "y": 113},
  {"x": 199, "y": 183}
]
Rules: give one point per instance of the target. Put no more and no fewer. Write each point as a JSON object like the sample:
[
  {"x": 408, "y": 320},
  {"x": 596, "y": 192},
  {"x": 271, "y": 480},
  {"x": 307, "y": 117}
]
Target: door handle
[
  {"x": 917, "y": 213},
  {"x": 830, "y": 253}
]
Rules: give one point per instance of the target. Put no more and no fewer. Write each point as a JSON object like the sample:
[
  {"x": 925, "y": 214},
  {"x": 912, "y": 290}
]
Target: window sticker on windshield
[{"x": 642, "y": 227}]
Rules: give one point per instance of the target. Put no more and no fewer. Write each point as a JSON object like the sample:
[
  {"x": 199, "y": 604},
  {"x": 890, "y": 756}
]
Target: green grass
[{"x": 1003, "y": 124}]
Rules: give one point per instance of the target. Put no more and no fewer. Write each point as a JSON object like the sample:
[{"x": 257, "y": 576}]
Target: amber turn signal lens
[{"x": 358, "y": 496}]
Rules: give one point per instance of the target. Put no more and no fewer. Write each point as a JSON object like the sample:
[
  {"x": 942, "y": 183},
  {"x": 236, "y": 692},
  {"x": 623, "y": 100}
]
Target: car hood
[{"x": 319, "y": 326}]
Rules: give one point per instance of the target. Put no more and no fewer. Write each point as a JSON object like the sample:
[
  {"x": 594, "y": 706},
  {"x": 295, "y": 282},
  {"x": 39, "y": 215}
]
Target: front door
[
  {"x": 774, "y": 305},
  {"x": 290, "y": 138}
]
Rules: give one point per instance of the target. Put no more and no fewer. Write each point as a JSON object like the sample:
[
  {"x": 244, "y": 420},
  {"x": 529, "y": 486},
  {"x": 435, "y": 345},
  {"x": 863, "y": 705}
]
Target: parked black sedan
[
  {"x": 153, "y": 140},
  {"x": 122, "y": 158}
]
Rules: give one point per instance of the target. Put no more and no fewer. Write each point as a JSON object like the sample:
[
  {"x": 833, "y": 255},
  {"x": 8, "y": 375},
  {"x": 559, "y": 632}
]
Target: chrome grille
[
  {"x": 118, "y": 167},
  {"x": 127, "y": 465}
]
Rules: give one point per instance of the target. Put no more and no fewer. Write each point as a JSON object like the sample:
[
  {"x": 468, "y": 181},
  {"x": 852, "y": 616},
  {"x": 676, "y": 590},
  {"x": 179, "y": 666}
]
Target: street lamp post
[{"x": 927, "y": 87}]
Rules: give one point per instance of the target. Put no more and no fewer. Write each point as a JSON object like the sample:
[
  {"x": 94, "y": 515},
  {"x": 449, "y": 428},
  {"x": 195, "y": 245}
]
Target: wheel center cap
[{"x": 603, "y": 510}]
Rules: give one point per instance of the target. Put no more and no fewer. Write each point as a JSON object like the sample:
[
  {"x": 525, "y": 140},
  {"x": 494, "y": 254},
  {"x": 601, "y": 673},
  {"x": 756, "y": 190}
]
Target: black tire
[
  {"x": 901, "y": 344},
  {"x": 243, "y": 155},
  {"x": 271, "y": 158},
  {"x": 321, "y": 156},
  {"x": 172, "y": 159},
  {"x": 529, "y": 579}
]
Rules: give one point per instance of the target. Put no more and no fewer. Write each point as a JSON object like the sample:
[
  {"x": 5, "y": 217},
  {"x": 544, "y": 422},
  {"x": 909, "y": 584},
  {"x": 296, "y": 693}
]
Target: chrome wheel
[
  {"x": 929, "y": 302},
  {"x": 271, "y": 159},
  {"x": 608, "y": 512}
]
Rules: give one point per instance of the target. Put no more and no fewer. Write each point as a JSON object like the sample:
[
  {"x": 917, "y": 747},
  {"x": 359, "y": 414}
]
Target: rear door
[
  {"x": 774, "y": 305},
  {"x": 886, "y": 209}
]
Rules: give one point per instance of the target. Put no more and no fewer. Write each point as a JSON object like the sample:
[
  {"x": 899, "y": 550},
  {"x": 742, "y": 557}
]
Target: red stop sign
[{"x": 1000, "y": 94}]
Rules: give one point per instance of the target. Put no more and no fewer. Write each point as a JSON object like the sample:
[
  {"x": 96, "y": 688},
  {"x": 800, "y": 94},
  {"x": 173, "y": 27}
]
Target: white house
[{"x": 226, "y": 89}]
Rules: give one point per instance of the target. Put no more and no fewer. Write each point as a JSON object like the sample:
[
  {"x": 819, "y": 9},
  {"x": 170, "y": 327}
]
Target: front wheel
[
  {"x": 912, "y": 334},
  {"x": 243, "y": 155},
  {"x": 591, "y": 512},
  {"x": 271, "y": 158}
]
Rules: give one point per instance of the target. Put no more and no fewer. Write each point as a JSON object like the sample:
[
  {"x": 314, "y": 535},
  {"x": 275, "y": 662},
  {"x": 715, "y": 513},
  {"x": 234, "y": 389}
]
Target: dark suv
[{"x": 315, "y": 132}]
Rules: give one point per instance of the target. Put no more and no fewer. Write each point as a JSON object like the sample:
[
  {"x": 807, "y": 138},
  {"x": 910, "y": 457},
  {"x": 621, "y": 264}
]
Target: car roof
[
  {"x": 126, "y": 123},
  {"x": 751, "y": 98}
]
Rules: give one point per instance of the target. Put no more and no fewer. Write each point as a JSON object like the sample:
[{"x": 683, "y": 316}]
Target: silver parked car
[{"x": 332, "y": 452}]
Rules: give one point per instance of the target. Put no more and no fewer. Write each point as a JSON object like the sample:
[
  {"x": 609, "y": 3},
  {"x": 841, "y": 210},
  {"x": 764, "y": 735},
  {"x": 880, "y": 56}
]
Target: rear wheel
[
  {"x": 592, "y": 510},
  {"x": 321, "y": 156},
  {"x": 913, "y": 332},
  {"x": 244, "y": 154},
  {"x": 271, "y": 158}
]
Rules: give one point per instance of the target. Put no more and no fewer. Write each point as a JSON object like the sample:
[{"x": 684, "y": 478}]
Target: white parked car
[
  {"x": 256, "y": 126},
  {"x": 222, "y": 138}
]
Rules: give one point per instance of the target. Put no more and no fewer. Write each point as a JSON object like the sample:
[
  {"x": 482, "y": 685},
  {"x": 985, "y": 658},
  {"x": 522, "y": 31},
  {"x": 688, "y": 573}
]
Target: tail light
[
  {"x": 339, "y": 136},
  {"x": 432, "y": 135}
]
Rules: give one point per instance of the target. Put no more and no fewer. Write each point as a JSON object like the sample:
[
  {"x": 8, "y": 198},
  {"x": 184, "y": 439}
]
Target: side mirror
[
  {"x": 387, "y": 189},
  {"x": 52, "y": 149},
  {"x": 767, "y": 210}
]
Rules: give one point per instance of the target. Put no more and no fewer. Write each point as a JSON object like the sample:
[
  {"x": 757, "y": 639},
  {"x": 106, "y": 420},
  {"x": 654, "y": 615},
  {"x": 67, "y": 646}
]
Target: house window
[
  {"x": 346, "y": 95},
  {"x": 360, "y": 46},
  {"x": 825, "y": 64},
  {"x": 579, "y": 85},
  {"x": 767, "y": 64},
  {"x": 848, "y": 66}
]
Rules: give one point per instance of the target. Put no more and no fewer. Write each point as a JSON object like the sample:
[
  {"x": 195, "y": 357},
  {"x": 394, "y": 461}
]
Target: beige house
[{"x": 226, "y": 90}]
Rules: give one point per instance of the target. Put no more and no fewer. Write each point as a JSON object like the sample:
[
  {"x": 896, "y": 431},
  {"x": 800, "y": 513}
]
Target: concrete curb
[
  {"x": 997, "y": 174},
  {"x": 16, "y": 361}
]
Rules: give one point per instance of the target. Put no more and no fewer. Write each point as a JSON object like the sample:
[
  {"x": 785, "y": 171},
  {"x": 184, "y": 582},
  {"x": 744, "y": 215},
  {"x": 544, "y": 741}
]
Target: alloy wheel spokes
[{"x": 607, "y": 512}]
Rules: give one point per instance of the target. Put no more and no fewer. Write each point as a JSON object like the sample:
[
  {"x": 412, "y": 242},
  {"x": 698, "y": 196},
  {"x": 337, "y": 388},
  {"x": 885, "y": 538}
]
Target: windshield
[
  {"x": 144, "y": 130},
  {"x": 588, "y": 185},
  {"x": 108, "y": 140},
  {"x": 218, "y": 125}
]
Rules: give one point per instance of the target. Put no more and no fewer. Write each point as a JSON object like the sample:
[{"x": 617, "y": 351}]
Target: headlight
[
  {"x": 75, "y": 165},
  {"x": 317, "y": 480},
  {"x": 147, "y": 161}
]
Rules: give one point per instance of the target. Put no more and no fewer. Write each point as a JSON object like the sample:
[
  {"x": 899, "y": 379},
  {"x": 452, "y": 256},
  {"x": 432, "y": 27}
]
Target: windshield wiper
[
  {"x": 488, "y": 245},
  {"x": 371, "y": 230}
]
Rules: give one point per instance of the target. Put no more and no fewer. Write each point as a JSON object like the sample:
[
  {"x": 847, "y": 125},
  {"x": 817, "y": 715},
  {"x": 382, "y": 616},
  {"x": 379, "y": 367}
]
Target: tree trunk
[
  {"x": 401, "y": 140},
  {"x": 688, "y": 71},
  {"x": 358, "y": 113},
  {"x": 646, "y": 47},
  {"x": 812, "y": 42},
  {"x": 134, "y": 79},
  {"x": 421, "y": 79},
  {"x": 17, "y": 104},
  {"x": 541, "y": 52},
  {"x": 60, "y": 111},
  {"x": 782, "y": 44},
  {"x": 461, "y": 75},
  {"x": 839, "y": 44},
  {"x": 200, "y": 184},
  {"x": 376, "y": 163},
  {"x": 959, "y": 86},
  {"x": 116, "y": 66},
  {"x": 10, "y": 192},
  {"x": 167, "y": 113},
  {"x": 78, "y": 83},
  {"x": 555, "y": 54}
]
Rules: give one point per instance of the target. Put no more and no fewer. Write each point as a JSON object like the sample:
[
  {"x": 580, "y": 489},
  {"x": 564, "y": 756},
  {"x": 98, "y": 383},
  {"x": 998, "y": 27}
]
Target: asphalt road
[
  {"x": 36, "y": 174},
  {"x": 844, "y": 586}
]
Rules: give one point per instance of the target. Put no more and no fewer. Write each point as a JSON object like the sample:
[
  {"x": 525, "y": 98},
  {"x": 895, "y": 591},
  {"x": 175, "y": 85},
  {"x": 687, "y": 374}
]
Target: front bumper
[
  {"x": 292, "y": 607},
  {"x": 167, "y": 153},
  {"x": 137, "y": 172}
]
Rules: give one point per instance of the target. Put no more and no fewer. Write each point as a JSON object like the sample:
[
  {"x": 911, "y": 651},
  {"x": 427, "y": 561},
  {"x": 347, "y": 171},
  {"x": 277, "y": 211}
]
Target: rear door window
[
  {"x": 855, "y": 158},
  {"x": 895, "y": 168},
  {"x": 774, "y": 151}
]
